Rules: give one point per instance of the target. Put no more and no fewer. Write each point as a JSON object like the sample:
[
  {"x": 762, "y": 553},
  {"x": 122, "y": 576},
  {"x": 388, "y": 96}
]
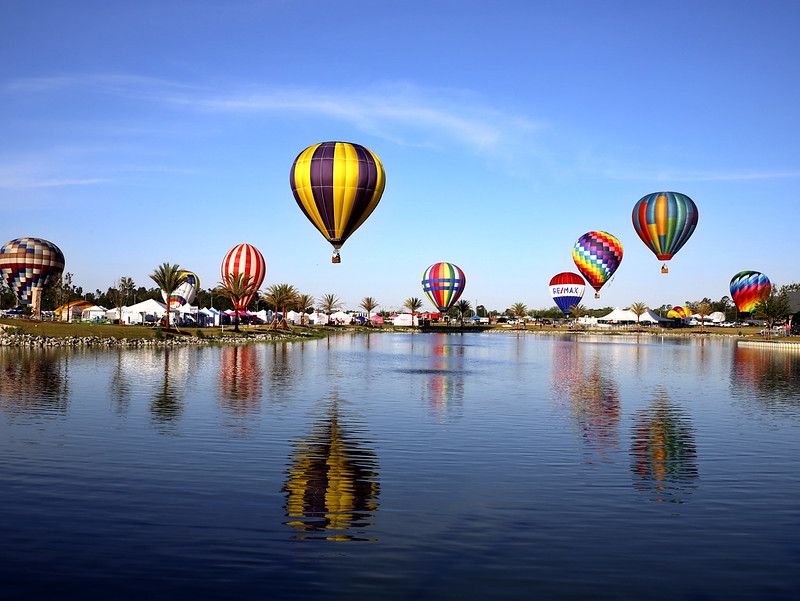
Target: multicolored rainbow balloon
[
  {"x": 748, "y": 288},
  {"x": 185, "y": 293},
  {"x": 443, "y": 283},
  {"x": 664, "y": 222},
  {"x": 567, "y": 290},
  {"x": 597, "y": 256}
]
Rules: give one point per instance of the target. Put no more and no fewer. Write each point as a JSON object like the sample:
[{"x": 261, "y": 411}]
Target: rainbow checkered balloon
[
  {"x": 30, "y": 263},
  {"x": 597, "y": 256}
]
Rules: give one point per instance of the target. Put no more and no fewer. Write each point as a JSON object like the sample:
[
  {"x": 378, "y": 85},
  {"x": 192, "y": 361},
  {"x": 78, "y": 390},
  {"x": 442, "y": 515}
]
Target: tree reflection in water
[
  {"x": 332, "y": 484},
  {"x": 167, "y": 405},
  {"x": 663, "y": 452},
  {"x": 768, "y": 379},
  {"x": 33, "y": 381}
]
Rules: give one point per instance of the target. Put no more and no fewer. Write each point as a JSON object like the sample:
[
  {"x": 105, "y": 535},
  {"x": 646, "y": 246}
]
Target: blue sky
[{"x": 135, "y": 133}]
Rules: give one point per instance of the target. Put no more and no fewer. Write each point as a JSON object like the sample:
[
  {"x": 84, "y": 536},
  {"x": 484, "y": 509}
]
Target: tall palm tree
[
  {"x": 369, "y": 304},
  {"x": 703, "y": 309},
  {"x": 413, "y": 305},
  {"x": 462, "y": 307},
  {"x": 236, "y": 287},
  {"x": 281, "y": 296},
  {"x": 168, "y": 277},
  {"x": 329, "y": 303},
  {"x": 304, "y": 303},
  {"x": 638, "y": 309},
  {"x": 519, "y": 310}
]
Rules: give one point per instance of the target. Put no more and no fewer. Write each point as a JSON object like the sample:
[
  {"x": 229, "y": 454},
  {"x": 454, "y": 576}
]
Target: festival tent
[
  {"x": 148, "y": 311},
  {"x": 72, "y": 310},
  {"x": 318, "y": 318},
  {"x": 406, "y": 319},
  {"x": 626, "y": 315},
  {"x": 94, "y": 313}
]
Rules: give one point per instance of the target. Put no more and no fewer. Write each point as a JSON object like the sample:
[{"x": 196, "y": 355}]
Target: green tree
[
  {"x": 462, "y": 307},
  {"x": 236, "y": 287},
  {"x": 304, "y": 303},
  {"x": 369, "y": 304},
  {"x": 413, "y": 304},
  {"x": 775, "y": 306},
  {"x": 638, "y": 309},
  {"x": 281, "y": 296},
  {"x": 329, "y": 303},
  {"x": 168, "y": 277},
  {"x": 703, "y": 309},
  {"x": 519, "y": 310}
]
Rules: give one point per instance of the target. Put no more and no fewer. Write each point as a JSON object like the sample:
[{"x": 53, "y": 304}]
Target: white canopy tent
[
  {"x": 148, "y": 311},
  {"x": 94, "y": 313},
  {"x": 626, "y": 315}
]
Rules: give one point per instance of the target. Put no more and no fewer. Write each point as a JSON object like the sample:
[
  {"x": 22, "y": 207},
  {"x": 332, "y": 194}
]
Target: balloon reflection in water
[
  {"x": 240, "y": 380},
  {"x": 446, "y": 384},
  {"x": 332, "y": 485},
  {"x": 663, "y": 452},
  {"x": 578, "y": 376},
  {"x": 33, "y": 382},
  {"x": 769, "y": 379}
]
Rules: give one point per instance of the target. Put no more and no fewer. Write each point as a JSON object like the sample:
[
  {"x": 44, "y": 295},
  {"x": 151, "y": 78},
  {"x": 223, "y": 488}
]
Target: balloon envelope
[
  {"x": 748, "y": 288},
  {"x": 337, "y": 185},
  {"x": 443, "y": 283},
  {"x": 29, "y": 263},
  {"x": 664, "y": 222},
  {"x": 679, "y": 312},
  {"x": 185, "y": 293},
  {"x": 247, "y": 260},
  {"x": 597, "y": 256},
  {"x": 567, "y": 290}
]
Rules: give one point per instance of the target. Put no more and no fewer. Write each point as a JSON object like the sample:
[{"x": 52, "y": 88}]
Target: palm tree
[
  {"x": 519, "y": 310},
  {"x": 236, "y": 287},
  {"x": 304, "y": 303},
  {"x": 168, "y": 277},
  {"x": 329, "y": 303},
  {"x": 281, "y": 296},
  {"x": 368, "y": 304},
  {"x": 703, "y": 310},
  {"x": 638, "y": 309},
  {"x": 413, "y": 305},
  {"x": 462, "y": 307}
]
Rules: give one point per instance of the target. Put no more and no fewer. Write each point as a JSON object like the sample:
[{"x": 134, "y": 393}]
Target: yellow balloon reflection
[
  {"x": 332, "y": 485},
  {"x": 663, "y": 452}
]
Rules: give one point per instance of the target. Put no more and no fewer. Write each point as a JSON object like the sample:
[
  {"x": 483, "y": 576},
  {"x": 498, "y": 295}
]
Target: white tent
[
  {"x": 406, "y": 319},
  {"x": 147, "y": 311},
  {"x": 94, "y": 313},
  {"x": 626, "y": 315}
]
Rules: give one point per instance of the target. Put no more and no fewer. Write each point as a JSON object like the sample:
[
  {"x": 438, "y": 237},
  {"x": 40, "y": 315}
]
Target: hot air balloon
[
  {"x": 443, "y": 283},
  {"x": 28, "y": 266},
  {"x": 567, "y": 290},
  {"x": 597, "y": 256},
  {"x": 664, "y": 222},
  {"x": 748, "y": 288},
  {"x": 679, "y": 312},
  {"x": 337, "y": 185},
  {"x": 185, "y": 293},
  {"x": 244, "y": 259}
]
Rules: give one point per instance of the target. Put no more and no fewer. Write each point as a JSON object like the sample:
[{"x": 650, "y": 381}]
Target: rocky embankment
[{"x": 29, "y": 340}]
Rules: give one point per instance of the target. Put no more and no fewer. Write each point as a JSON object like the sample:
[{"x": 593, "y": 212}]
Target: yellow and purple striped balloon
[{"x": 337, "y": 185}]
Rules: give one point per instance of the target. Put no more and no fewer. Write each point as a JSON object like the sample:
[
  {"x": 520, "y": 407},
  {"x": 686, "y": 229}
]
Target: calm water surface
[{"x": 394, "y": 466}]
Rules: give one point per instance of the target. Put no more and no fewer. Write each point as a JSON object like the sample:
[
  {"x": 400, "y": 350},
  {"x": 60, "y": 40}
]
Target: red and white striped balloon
[{"x": 245, "y": 259}]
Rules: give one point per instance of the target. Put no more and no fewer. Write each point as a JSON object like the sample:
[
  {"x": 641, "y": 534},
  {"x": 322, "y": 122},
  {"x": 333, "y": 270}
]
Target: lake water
[{"x": 403, "y": 466}]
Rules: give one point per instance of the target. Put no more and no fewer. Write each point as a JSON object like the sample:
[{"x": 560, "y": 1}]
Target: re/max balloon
[
  {"x": 597, "y": 256},
  {"x": 567, "y": 290},
  {"x": 664, "y": 222},
  {"x": 244, "y": 259},
  {"x": 185, "y": 293},
  {"x": 443, "y": 283},
  {"x": 337, "y": 185},
  {"x": 27, "y": 264},
  {"x": 748, "y": 288}
]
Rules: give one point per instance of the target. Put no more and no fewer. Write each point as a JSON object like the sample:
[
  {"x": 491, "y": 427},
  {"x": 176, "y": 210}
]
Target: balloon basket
[
  {"x": 597, "y": 295},
  {"x": 664, "y": 268},
  {"x": 336, "y": 258}
]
